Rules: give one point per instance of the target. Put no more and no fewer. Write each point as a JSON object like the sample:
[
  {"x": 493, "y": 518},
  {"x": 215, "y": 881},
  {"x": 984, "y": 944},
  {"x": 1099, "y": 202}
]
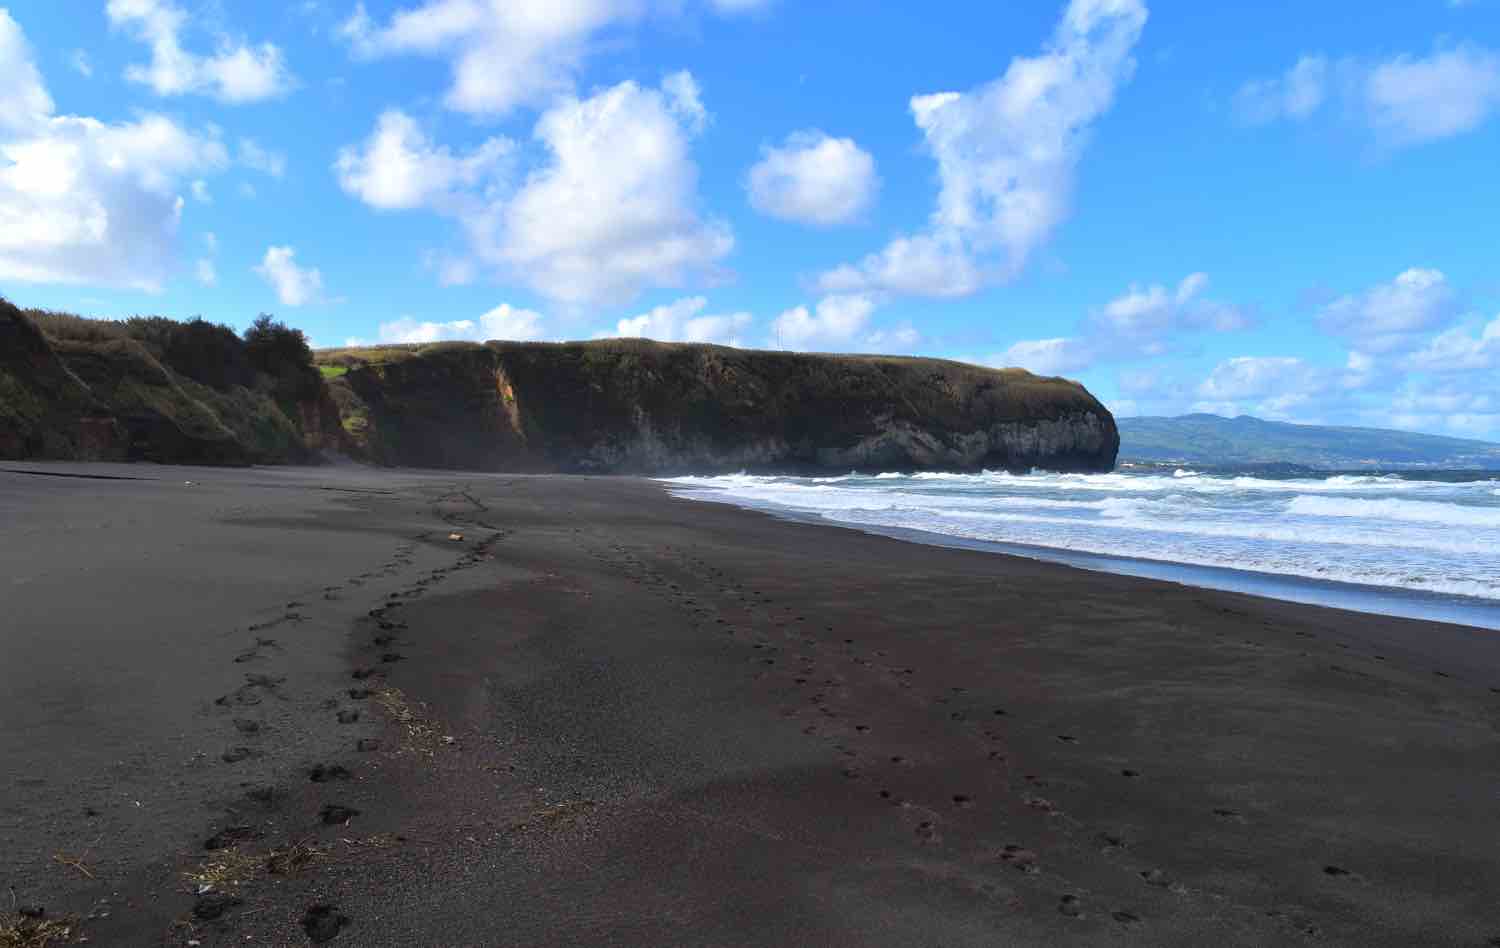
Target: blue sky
[{"x": 1286, "y": 209}]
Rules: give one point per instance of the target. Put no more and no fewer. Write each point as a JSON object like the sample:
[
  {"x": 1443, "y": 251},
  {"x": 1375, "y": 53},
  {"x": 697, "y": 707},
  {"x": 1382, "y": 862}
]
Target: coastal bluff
[
  {"x": 152, "y": 389},
  {"x": 633, "y": 406}
]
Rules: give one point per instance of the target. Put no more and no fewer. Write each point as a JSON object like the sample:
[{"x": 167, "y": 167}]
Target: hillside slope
[
  {"x": 635, "y": 406},
  {"x": 158, "y": 390},
  {"x": 1211, "y": 439}
]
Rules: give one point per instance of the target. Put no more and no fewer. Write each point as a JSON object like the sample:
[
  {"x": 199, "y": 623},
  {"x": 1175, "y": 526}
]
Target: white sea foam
[
  {"x": 1383, "y": 530},
  {"x": 1408, "y": 511}
]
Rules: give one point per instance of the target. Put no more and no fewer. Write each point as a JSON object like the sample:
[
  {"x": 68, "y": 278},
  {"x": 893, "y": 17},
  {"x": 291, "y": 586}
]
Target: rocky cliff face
[{"x": 633, "y": 406}]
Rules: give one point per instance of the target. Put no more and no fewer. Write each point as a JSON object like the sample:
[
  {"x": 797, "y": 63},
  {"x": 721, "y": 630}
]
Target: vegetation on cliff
[
  {"x": 158, "y": 389},
  {"x": 636, "y": 406}
]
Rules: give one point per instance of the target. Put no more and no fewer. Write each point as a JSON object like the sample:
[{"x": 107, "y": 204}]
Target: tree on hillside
[{"x": 274, "y": 346}]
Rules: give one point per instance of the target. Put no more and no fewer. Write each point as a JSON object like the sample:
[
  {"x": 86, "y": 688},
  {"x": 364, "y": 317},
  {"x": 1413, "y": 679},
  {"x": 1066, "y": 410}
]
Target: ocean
[{"x": 1421, "y": 544}]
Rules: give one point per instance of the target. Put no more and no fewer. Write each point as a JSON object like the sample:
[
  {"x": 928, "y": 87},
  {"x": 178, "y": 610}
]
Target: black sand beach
[{"x": 263, "y": 706}]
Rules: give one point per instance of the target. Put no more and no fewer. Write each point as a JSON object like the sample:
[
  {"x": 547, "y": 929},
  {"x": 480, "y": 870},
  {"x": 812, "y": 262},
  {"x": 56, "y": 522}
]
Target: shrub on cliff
[{"x": 274, "y": 346}]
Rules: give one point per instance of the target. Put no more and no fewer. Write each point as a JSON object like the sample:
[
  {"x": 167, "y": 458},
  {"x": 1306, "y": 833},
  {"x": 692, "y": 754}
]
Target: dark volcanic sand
[{"x": 608, "y": 716}]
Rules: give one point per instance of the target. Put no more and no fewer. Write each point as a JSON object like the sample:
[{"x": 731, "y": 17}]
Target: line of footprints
[
  {"x": 320, "y": 922},
  {"x": 824, "y": 667}
]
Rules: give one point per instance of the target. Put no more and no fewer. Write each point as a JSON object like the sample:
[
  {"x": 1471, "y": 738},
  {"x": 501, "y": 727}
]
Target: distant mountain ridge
[{"x": 1215, "y": 440}]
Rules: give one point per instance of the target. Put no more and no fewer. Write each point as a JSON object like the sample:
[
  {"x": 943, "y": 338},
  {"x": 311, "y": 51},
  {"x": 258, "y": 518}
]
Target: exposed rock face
[{"x": 633, "y": 406}]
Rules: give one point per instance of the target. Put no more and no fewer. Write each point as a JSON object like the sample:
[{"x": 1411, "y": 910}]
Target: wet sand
[{"x": 602, "y": 715}]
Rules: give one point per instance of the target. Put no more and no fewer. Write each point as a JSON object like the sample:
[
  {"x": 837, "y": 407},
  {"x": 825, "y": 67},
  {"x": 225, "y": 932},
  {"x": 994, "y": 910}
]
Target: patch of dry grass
[
  {"x": 21, "y": 932},
  {"x": 420, "y": 735},
  {"x": 232, "y": 867}
]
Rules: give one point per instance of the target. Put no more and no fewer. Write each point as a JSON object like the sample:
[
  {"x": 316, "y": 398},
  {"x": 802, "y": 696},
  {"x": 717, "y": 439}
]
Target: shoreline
[
  {"x": 1391, "y": 601},
  {"x": 604, "y": 713}
]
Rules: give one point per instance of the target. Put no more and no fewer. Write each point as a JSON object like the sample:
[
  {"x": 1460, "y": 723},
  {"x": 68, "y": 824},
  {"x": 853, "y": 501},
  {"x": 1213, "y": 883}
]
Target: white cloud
[
  {"x": 1295, "y": 95},
  {"x": 1459, "y": 350},
  {"x": 294, "y": 285},
  {"x": 1412, "y": 101},
  {"x": 256, "y": 157},
  {"x": 615, "y": 209},
  {"x": 903, "y": 337},
  {"x": 1006, "y": 153},
  {"x": 84, "y": 201},
  {"x": 1402, "y": 102},
  {"x": 236, "y": 72},
  {"x": 81, "y": 63},
  {"x": 199, "y": 187},
  {"x": 27, "y": 104},
  {"x": 815, "y": 179},
  {"x": 503, "y": 54},
  {"x": 1047, "y": 356},
  {"x": 502, "y": 322},
  {"x": 1249, "y": 377},
  {"x": 684, "y": 321},
  {"x": 836, "y": 320},
  {"x": 1142, "y": 321},
  {"x": 399, "y": 167},
  {"x": 1152, "y": 313},
  {"x": 205, "y": 272},
  {"x": 1390, "y": 316}
]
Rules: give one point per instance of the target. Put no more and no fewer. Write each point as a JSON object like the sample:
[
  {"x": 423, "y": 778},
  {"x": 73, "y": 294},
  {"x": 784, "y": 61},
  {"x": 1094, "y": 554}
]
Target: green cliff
[
  {"x": 195, "y": 392},
  {"x": 159, "y": 390},
  {"x": 635, "y": 406}
]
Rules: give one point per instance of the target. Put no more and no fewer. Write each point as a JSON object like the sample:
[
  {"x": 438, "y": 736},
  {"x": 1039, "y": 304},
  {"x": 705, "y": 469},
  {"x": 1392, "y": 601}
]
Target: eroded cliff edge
[
  {"x": 641, "y": 407},
  {"x": 195, "y": 392}
]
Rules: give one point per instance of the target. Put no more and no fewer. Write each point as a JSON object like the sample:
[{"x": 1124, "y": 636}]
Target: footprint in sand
[
  {"x": 230, "y": 836},
  {"x": 323, "y": 923},
  {"x": 1020, "y": 858},
  {"x": 336, "y": 814}
]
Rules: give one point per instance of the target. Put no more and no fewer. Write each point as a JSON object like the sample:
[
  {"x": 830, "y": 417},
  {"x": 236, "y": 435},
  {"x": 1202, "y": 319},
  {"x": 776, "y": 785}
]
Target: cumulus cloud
[
  {"x": 611, "y": 210},
  {"x": 1006, "y": 153},
  {"x": 1142, "y": 321},
  {"x": 236, "y": 72},
  {"x": 1392, "y": 316},
  {"x": 684, "y": 321},
  {"x": 815, "y": 179},
  {"x": 1460, "y": 350},
  {"x": 84, "y": 201},
  {"x": 1054, "y": 356},
  {"x": 294, "y": 285},
  {"x": 502, "y": 322},
  {"x": 398, "y": 167},
  {"x": 614, "y": 211},
  {"x": 503, "y": 54},
  {"x": 1404, "y": 101},
  {"x": 836, "y": 320}
]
